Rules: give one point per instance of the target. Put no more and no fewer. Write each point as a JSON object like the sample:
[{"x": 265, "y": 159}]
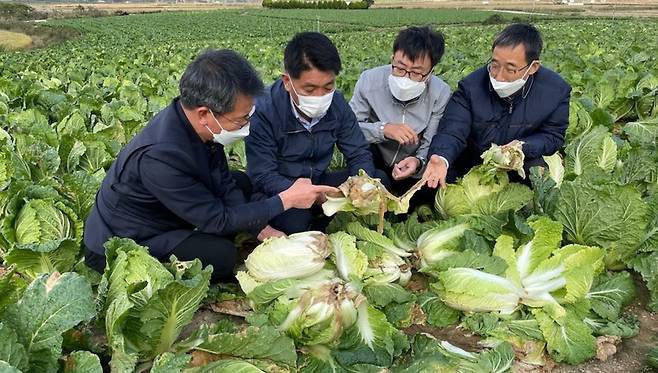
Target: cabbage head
[
  {"x": 295, "y": 256},
  {"x": 40, "y": 221},
  {"x": 539, "y": 274},
  {"x": 320, "y": 314},
  {"x": 481, "y": 193}
]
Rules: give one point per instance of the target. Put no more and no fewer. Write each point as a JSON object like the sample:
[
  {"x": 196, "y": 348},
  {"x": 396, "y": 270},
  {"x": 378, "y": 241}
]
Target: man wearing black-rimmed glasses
[
  {"x": 399, "y": 106},
  {"x": 511, "y": 98}
]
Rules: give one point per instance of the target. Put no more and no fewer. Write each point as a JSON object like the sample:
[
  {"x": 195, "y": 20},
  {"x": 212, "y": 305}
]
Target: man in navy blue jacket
[
  {"x": 297, "y": 123},
  {"x": 511, "y": 98},
  {"x": 170, "y": 188}
]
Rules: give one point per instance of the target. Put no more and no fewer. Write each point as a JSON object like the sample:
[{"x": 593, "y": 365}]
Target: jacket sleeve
[
  {"x": 437, "y": 113},
  {"x": 454, "y": 127},
  {"x": 549, "y": 137},
  {"x": 164, "y": 174},
  {"x": 372, "y": 131},
  {"x": 262, "y": 164},
  {"x": 352, "y": 143},
  {"x": 233, "y": 195}
]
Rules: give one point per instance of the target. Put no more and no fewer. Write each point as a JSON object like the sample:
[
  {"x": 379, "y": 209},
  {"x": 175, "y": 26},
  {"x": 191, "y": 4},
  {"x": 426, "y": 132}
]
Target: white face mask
[
  {"x": 506, "y": 89},
  {"x": 228, "y": 137},
  {"x": 313, "y": 106},
  {"x": 405, "y": 89}
]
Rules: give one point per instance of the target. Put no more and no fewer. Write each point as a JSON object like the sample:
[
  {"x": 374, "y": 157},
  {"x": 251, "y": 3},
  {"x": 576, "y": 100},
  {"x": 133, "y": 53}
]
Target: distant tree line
[
  {"x": 322, "y": 4},
  {"x": 19, "y": 12}
]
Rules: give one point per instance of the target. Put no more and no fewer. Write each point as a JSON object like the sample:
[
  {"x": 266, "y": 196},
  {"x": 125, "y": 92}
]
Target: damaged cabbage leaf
[
  {"x": 387, "y": 268},
  {"x": 364, "y": 195},
  {"x": 321, "y": 314},
  {"x": 486, "y": 189},
  {"x": 507, "y": 157}
]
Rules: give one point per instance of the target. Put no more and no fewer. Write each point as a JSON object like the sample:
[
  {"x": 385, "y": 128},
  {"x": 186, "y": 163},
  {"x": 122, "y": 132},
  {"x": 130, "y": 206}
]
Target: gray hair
[{"x": 214, "y": 80}]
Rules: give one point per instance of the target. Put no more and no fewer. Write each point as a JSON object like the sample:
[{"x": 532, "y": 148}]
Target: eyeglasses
[
  {"x": 238, "y": 123},
  {"x": 494, "y": 68},
  {"x": 400, "y": 72},
  {"x": 243, "y": 121}
]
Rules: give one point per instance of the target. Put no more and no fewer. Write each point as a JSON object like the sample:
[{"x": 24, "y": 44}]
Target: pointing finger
[{"x": 325, "y": 189}]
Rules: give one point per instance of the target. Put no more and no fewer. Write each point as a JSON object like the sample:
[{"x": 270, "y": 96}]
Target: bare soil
[{"x": 138, "y": 7}]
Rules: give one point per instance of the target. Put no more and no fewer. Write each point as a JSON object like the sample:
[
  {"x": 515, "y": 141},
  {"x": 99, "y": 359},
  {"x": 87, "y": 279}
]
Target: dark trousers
[
  {"x": 301, "y": 220},
  {"x": 210, "y": 249}
]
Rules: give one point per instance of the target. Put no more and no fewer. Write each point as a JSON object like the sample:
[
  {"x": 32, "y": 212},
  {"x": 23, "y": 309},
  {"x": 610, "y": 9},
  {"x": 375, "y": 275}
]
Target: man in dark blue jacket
[
  {"x": 170, "y": 188},
  {"x": 511, "y": 98},
  {"x": 296, "y": 125}
]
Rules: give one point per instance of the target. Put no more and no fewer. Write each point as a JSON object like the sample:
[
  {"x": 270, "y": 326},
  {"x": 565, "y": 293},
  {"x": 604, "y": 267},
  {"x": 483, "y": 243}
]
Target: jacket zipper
[
  {"x": 310, "y": 133},
  {"x": 395, "y": 156}
]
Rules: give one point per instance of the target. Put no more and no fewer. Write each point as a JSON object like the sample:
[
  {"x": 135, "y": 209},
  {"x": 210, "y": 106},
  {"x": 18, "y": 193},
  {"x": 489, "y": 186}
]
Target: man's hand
[
  {"x": 512, "y": 143},
  {"x": 303, "y": 194},
  {"x": 322, "y": 198},
  {"x": 401, "y": 133},
  {"x": 435, "y": 172},
  {"x": 405, "y": 168},
  {"x": 268, "y": 232}
]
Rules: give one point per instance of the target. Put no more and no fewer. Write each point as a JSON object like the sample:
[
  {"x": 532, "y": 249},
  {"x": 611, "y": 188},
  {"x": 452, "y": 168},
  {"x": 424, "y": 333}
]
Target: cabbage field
[{"x": 494, "y": 277}]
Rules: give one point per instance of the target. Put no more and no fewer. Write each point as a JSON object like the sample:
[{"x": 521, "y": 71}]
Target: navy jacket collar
[
  {"x": 281, "y": 100},
  {"x": 183, "y": 124}
]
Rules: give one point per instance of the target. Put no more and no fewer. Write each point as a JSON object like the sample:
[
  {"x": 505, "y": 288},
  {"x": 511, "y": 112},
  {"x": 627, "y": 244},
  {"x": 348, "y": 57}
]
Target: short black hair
[
  {"x": 308, "y": 50},
  {"x": 521, "y": 33},
  {"x": 416, "y": 42},
  {"x": 215, "y": 78}
]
